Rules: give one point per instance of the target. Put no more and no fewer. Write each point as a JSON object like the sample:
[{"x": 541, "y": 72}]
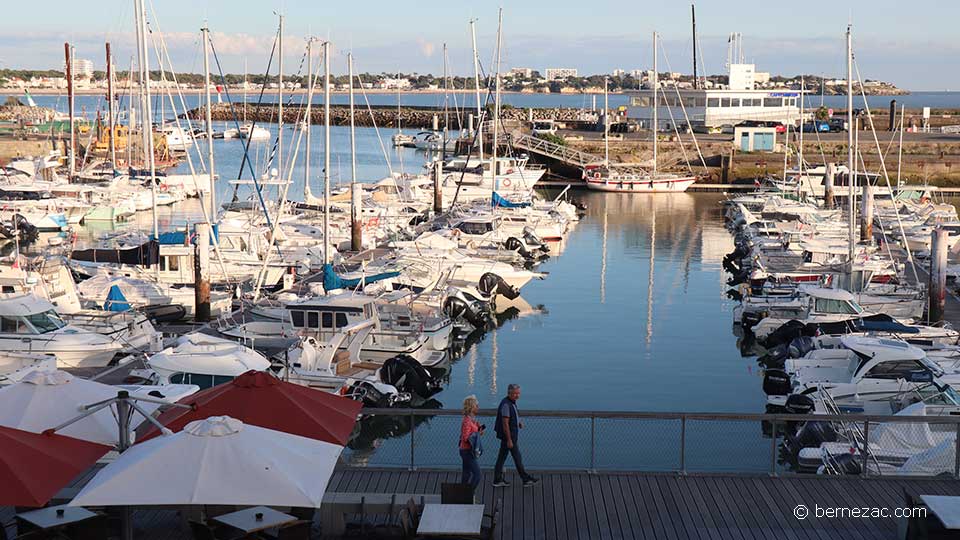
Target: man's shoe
[
  {"x": 501, "y": 483},
  {"x": 531, "y": 481}
]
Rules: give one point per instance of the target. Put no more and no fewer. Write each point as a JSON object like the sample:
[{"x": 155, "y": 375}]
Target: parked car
[{"x": 816, "y": 125}]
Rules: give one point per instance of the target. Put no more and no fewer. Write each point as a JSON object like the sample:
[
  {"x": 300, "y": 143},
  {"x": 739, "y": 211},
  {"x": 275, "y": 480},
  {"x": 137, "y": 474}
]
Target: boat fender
[{"x": 506, "y": 182}]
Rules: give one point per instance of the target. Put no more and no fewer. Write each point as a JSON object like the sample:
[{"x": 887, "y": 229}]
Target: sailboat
[
  {"x": 400, "y": 138},
  {"x": 603, "y": 177}
]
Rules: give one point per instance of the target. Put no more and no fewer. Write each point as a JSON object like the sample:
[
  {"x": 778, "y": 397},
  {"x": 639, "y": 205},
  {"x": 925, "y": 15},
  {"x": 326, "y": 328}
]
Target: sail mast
[
  {"x": 326, "y": 152},
  {"x": 211, "y": 196},
  {"x": 147, "y": 115},
  {"x": 656, "y": 83},
  {"x": 476, "y": 80},
  {"x": 111, "y": 124},
  {"x": 606, "y": 126},
  {"x": 307, "y": 195},
  {"x": 851, "y": 165},
  {"x": 496, "y": 101}
]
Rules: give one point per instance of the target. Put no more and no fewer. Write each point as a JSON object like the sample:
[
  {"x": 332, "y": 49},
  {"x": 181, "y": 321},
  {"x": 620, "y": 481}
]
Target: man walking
[{"x": 508, "y": 427}]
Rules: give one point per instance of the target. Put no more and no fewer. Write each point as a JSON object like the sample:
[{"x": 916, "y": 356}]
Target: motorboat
[{"x": 200, "y": 359}]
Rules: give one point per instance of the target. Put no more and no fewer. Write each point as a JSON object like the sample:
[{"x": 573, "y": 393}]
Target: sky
[{"x": 909, "y": 44}]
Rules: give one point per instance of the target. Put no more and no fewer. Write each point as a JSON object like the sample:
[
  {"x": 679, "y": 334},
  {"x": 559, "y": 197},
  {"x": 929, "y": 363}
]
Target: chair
[
  {"x": 414, "y": 513},
  {"x": 490, "y": 532},
  {"x": 456, "y": 494},
  {"x": 201, "y": 531},
  {"x": 297, "y": 530}
]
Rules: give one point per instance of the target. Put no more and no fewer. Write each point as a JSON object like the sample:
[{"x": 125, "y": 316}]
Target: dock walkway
[{"x": 582, "y": 505}]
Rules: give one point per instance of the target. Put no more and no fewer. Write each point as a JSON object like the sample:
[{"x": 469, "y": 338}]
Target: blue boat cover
[
  {"x": 332, "y": 281},
  {"x": 174, "y": 238},
  {"x": 499, "y": 200},
  {"x": 116, "y": 301}
]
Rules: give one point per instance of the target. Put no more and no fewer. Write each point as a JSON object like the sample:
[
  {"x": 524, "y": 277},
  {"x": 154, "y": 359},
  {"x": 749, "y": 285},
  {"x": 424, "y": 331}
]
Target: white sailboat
[{"x": 605, "y": 178}]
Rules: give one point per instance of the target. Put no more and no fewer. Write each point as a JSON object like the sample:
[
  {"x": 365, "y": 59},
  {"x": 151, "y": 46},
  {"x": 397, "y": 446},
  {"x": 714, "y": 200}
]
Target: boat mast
[
  {"x": 326, "y": 152},
  {"x": 496, "y": 101},
  {"x": 211, "y": 195},
  {"x": 476, "y": 80},
  {"x": 244, "y": 92},
  {"x": 110, "y": 123},
  {"x": 800, "y": 151},
  {"x": 656, "y": 83},
  {"x": 851, "y": 165},
  {"x": 68, "y": 55},
  {"x": 693, "y": 21},
  {"x": 446, "y": 106},
  {"x": 145, "y": 120},
  {"x": 279, "y": 105},
  {"x": 356, "y": 238},
  {"x": 606, "y": 126},
  {"x": 307, "y": 195}
]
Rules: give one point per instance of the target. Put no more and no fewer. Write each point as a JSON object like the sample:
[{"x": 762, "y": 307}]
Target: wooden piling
[
  {"x": 437, "y": 188},
  {"x": 201, "y": 274},
  {"x": 829, "y": 178},
  {"x": 356, "y": 219},
  {"x": 866, "y": 213},
  {"x": 937, "y": 288}
]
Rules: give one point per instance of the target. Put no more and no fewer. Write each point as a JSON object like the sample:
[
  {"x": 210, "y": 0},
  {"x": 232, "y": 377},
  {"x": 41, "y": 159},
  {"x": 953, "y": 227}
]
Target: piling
[
  {"x": 436, "y": 123},
  {"x": 530, "y": 115},
  {"x": 437, "y": 189},
  {"x": 470, "y": 123},
  {"x": 201, "y": 273},
  {"x": 828, "y": 201},
  {"x": 938, "y": 276},
  {"x": 866, "y": 213},
  {"x": 892, "y": 121},
  {"x": 356, "y": 221}
]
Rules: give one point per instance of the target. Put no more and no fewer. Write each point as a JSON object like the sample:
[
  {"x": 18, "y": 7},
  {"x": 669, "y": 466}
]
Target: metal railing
[
  {"x": 555, "y": 151},
  {"x": 629, "y": 441}
]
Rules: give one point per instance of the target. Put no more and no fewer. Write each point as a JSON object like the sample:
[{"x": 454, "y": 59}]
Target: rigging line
[
  {"x": 685, "y": 117},
  {"x": 253, "y": 124},
  {"x": 883, "y": 167},
  {"x": 236, "y": 121},
  {"x": 376, "y": 129}
]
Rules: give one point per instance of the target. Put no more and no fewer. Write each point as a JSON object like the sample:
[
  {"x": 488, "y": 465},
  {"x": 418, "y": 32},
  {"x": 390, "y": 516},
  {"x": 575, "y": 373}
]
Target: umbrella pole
[{"x": 123, "y": 417}]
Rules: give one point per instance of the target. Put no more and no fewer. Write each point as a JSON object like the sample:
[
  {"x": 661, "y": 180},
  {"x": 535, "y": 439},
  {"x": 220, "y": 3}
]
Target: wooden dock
[{"x": 581, "y": 505}]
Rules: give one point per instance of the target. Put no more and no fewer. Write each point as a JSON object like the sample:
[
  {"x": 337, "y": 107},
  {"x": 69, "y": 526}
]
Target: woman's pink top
[{"x": 468, "y": 427}]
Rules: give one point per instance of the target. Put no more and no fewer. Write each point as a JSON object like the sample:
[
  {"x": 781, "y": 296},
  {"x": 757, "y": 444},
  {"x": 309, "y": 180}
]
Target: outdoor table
[
  {"x": 246, "y": 519},
  {"x": 451, "y": 520},
  {"x": 56, "y": 516},
  {"x": 947, "y": 509},
  {"x": 336, "y": 504}
]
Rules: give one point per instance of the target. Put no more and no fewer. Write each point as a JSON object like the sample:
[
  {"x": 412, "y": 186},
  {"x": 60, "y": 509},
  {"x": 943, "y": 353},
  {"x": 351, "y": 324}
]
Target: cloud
[{"x": 426, "y": 47}]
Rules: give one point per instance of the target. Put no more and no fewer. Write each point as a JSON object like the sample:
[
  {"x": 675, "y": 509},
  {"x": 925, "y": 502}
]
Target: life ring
[
  {"x": 596, "y": 175},
  {"x": 506, "y": 182},
  {"x": 373, "y": 222}
]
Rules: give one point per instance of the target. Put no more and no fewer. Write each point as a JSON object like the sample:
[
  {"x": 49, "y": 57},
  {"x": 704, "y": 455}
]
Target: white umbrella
[
  {"x": 46, "y": 399},
  {"x": 219, "y": 460}
]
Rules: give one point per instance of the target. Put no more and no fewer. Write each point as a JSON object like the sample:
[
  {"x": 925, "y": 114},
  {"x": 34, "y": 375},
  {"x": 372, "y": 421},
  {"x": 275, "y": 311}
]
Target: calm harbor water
[{"x": 88, "y": 104}]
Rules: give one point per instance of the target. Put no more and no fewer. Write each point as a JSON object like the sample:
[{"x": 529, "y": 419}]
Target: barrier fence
[{"x": 660, "y": 442}]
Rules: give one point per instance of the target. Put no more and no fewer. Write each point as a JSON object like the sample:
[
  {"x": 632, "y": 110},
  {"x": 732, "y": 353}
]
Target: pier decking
[{"x": 581, "y": 505}]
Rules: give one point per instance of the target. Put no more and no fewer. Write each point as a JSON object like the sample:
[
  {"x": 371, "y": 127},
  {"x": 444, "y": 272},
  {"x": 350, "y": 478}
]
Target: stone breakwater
[
  {"x": 12, "y": 113},
  {"x": 381, "y": 116}
]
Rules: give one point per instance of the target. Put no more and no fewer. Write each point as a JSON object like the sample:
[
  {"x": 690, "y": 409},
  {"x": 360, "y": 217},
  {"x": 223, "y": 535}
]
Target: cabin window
[
  {"x": 713, "y": 102},
  {"x": 895, "y": 370},
  {"x": 297, "y": 317},
  {"x": 725, "y": 102},
  {"x": 47, "y": 321},
  {"x": 11, "y": 325},
  {"x": 313, "y": 319},
  {"x": 327, "y": 321},
  {"x": 202, "y": 380},
  {"x": 8, "y": 289},
  {"x": 772, "y": 102},
  {"x": 829, "y": 305},
  {"x": 341, "y": 320}
]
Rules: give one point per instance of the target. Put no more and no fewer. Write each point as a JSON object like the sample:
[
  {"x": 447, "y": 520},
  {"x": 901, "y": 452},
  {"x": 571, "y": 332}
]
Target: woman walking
[{"x": 470, "y": 447}]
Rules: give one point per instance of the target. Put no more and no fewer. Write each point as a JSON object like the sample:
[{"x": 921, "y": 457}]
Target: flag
[{"x": 30, "y": 100}]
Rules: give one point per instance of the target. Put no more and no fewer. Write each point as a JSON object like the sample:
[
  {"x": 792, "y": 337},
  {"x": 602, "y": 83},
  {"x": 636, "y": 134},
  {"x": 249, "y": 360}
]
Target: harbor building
[
  {"x": 713, "y": 108},
  {"x": 560, "y": 73}
]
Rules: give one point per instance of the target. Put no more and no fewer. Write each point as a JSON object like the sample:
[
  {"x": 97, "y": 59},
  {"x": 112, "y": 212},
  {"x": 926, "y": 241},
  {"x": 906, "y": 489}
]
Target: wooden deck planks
[{"x": 580, "y": 505}]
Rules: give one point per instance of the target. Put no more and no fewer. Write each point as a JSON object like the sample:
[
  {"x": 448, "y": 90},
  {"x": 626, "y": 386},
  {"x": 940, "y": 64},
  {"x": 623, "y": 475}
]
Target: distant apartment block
[
  {"x": 619, "y": 72},
  {"x": 82, "y": 68},
  {"x": 554, "y": 74},
  {"x": 395, "y": 83},
  {"x": 521, "y": 72}
]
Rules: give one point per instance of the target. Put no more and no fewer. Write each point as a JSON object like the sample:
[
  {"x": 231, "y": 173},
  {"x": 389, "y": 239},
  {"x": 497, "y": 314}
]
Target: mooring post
[
  {"x": 201, "y": 269},
  {"x": 866, "y": 213},
  {"x": 470, "y": 123},
  {"x": 831, "y": 175},
  {"x": 436, "y": 123},
  {"x": 437, "y": 188},
  {"x": 356, "y": 221},
  {"x": 938, "y": 276}
]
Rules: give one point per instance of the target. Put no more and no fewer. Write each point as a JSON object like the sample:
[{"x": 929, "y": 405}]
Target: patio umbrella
[
  {"x": 260, "y": 399},
  {"x": 46, "y": 399},
  {"x": 34, "y": 467},
  {"x": 219, "y": 460}
]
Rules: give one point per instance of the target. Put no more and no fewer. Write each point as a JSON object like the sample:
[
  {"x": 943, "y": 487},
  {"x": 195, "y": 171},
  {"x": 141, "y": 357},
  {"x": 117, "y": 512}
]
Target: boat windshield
[{"x": 47, "y": 321}]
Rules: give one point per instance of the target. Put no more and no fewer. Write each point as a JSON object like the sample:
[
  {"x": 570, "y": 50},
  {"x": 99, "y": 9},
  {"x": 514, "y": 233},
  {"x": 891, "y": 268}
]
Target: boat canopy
[
  {"x": 146, "y": 254},
  {"x": 116, "y": 301},
  {"x": 332, "y": 281},
  {"x": 830, "y": 294},
  {"x": 21, "y": 305},
  {"x": 500, "y": 200}
]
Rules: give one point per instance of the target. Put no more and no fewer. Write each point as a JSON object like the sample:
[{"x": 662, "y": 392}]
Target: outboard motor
[
  {"x": 408, "y": 375},
  {"x": 799, "y": 404},
  {"x": 787, "y": 332},
  {"x": 847, "y": 464},
  {"x": 457, "y": 308},
  {"x": 800, "y": 346},
  {"x": 19, "y": 228},
  {"x": 811, "y": 435},
  {"x": 776, "y": 382},
  {"x": 532, "y": 240},
  {"x": 491, "y": 284},
  {"x": 775, "y": 357}
]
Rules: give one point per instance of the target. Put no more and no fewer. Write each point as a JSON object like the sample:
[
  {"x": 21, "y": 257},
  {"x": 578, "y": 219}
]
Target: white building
[
  {"x": 521, "y": 72},
  {"x": 82, "y": 68},
  {"x": 395, "y": 83},
  {"x": 742, "y": 77},
  {"x": 619, "y": 72},
  {"x": 560, "y": 73},
  {"x": 715, "y": 108}
]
